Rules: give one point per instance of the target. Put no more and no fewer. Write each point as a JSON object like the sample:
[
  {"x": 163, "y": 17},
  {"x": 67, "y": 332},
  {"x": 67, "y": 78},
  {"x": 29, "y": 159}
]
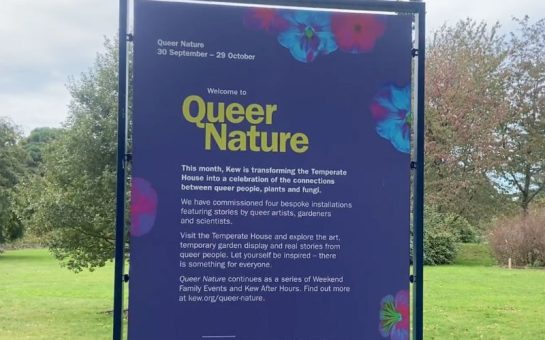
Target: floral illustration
[
  {"x": 266, "y": 19},
  {"x": 308, "y": 35},
  {"x": 394, "y": 316},
  {"x": 391, "y": 108},
  {"x": 356, "y": 33},
  {"x": 143, "y": 206}
]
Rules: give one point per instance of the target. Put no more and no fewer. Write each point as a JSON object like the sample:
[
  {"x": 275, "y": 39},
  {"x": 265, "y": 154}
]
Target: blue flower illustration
[
  {"x": 391, "y": 108},
  {"x": 308, "y": 35}
]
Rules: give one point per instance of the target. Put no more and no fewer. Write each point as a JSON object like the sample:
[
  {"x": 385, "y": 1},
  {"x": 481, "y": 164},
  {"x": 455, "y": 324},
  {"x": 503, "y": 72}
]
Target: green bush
[
  {"x": 439, "y": 238},
  {"x": 462, "y": 229},
  {"x": 442, "y": 232}
]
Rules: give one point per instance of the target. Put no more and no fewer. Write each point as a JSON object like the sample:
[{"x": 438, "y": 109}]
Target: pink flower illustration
[
  {"x": 143, "y": 206},
  {"x": 356, "y": 33},
  {"x": 266, "y": 19}
]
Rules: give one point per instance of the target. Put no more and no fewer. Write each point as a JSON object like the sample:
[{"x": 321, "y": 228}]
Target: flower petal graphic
[
  {"x": 308, "y": 35},
  {"x": 266, "y": 19},
  {"x": 143, "y": 206},
  {"x": 357, "y": 33},
  {"x": 391, "y": 109},
  {"x": 394, "y": 316}
]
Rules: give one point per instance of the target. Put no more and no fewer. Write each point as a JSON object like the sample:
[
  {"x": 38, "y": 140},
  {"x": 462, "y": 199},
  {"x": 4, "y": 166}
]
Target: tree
[
  {"x": 12, "y": 160},
  {"x": 520, "y": 149},
  {"x": 73, "y": 204},
  {"x": 36, "y": 143},
  {"x": 465, "y": 103}
]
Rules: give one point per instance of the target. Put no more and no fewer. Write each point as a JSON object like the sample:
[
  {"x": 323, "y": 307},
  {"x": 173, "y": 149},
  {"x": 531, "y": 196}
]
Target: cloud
[
  {"x": 491, "y": 11},
  {"x": 29, "y": 110},
  {"x": 43, "y": 43}
]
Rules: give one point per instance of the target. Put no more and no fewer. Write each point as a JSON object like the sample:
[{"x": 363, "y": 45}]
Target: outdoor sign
[{"x": 270, "y": 180}]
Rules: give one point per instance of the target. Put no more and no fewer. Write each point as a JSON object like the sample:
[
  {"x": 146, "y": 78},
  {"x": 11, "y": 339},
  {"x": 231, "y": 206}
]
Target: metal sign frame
[{"x": 415, "y": 8}]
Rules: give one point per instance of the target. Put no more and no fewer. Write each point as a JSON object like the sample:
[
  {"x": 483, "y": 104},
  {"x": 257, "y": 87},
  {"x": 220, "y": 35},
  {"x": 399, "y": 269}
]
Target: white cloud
[
  {"x": 43, "y": 43},
  {"x": 29, "y": 110},
  {"x": 451, "y": 11}
]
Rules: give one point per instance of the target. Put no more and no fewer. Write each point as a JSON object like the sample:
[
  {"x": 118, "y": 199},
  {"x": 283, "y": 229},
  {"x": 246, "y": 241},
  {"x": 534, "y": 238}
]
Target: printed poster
[{"x": 270, "y": 181}]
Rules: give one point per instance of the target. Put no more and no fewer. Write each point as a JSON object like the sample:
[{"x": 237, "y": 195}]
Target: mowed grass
[
  {"x": 40, "y": 300},
  {"x": 474, "y": 254},
  {"x": 464, "y": 302},
  {"x": 474, "y": 299}
]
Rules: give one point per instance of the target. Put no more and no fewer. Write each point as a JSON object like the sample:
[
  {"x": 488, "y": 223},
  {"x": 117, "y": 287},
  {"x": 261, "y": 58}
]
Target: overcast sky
[{"x": 44, "y": 42}]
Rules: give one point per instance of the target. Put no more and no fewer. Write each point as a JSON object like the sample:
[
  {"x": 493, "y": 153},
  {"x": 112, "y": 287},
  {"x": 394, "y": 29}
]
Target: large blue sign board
[{"x": 270, "y": 189}]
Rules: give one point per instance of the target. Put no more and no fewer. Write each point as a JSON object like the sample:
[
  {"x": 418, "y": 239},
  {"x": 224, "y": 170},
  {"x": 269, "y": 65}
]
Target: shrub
[
  {"x": 521, "y": 238},
  {"x": 439, "y": 238},
  {"x": 464, "y": 231},
  {"x": 442, "y": 231}
]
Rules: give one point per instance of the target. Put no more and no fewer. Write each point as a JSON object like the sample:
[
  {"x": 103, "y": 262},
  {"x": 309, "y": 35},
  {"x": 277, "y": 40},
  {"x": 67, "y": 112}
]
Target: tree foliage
[
  {"x": 465, "y": 103},
  {"x": 36, "y": 143},
  {"x": 485, "y": 118},
  {"x": 72, "y": 204},
  {"x": 519, "y": 153},
  {"x": 12, "y": 168}
]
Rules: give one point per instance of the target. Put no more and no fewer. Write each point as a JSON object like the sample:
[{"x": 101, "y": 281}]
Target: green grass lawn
[
  {"x": 474, "y": 299},
  {"x": 41, "y": 300},
  {"x": 476, "y": 302},
  {"x": 471, "y": 300},
  {"x": 474, "y": 254}
]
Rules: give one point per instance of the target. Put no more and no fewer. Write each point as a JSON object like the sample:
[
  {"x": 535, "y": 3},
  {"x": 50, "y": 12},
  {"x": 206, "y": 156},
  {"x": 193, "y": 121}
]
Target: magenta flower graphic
[
  {"x": 391, "y": 108},
  {"x": 356, "y": 33},
  {"x": 266, "y": 19},
  {"x": 394, "y": 316},
  {"x": 143, "y": 206},
  {"x": 308, "y": 35}
]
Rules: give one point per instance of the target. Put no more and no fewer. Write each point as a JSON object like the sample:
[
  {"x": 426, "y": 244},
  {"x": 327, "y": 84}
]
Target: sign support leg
[{"x": 121, "y": 151}]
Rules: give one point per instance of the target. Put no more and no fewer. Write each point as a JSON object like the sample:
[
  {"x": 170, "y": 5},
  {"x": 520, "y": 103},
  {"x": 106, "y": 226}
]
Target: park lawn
[
  {"x": 474, "y": 254},
  {"x": 474, "y": 299},
  {"x": 475, "y": 302},
  {"x": 40, "y": 300}
]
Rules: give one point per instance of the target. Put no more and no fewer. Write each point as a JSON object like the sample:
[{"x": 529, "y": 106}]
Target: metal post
[
  {"x": 121, "y": 151},
  {"x": 418, "y": 240}
]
